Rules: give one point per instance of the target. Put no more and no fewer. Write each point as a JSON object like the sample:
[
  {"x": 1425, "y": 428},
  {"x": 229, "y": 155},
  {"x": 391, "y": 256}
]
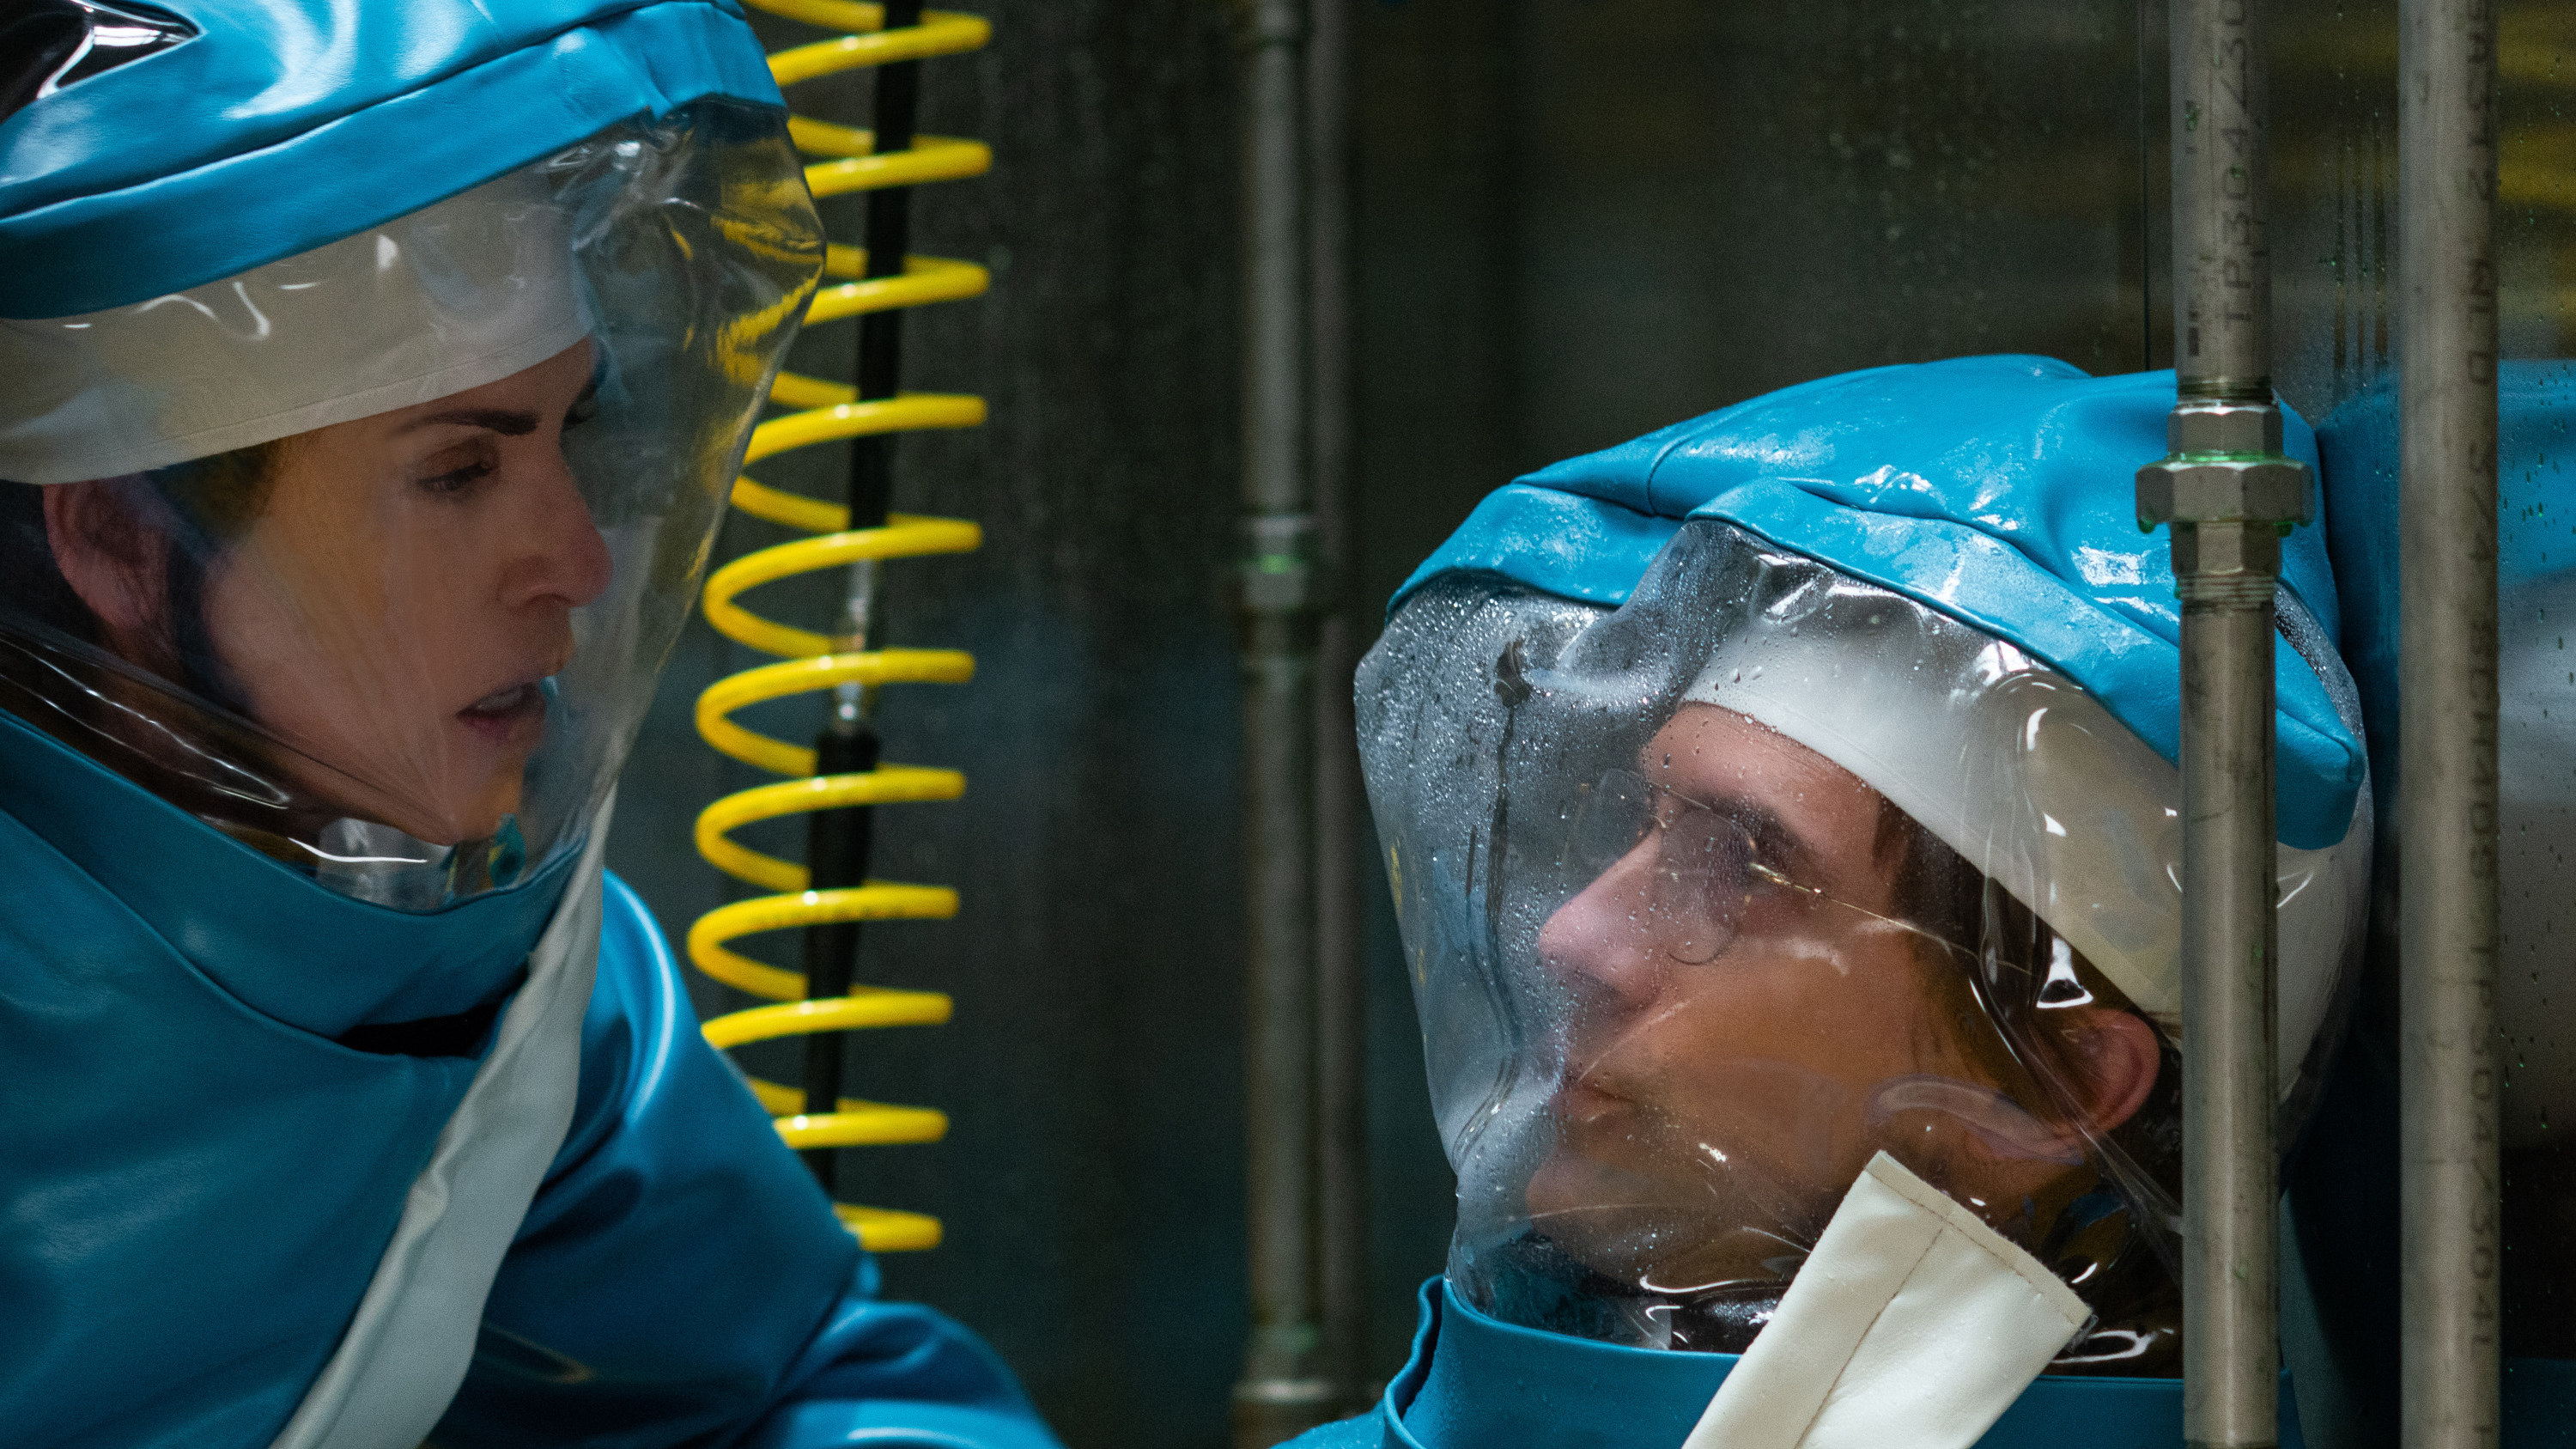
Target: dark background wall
[
  {"x": 1576, "y": 220},
  {"x": 1579, "y": 222},
  {"x": 1091, "y": 1176}
]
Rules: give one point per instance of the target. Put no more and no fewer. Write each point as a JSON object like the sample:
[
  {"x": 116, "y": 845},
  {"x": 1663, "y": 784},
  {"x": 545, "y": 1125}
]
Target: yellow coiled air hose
[{"x": 816, "y": 661}]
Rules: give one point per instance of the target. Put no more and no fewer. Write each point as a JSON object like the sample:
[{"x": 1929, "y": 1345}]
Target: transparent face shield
[
  {"x": 1710, "y": 897},
  {"x": 369, "y": 558}
]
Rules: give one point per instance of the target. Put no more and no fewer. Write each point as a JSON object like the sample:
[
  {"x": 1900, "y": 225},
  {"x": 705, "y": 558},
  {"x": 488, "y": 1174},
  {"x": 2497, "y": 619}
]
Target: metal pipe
[
  {"x": 838, "y": 842},
  {"x": 2221, "y": 184},
  {"x": 1282, "y": 1391},
  {"x": 2226, "y": 573},
  {"x": 2228, "y": 493},
  {"x": 1341, "y": 1057},
  {"x": 2447, "y": 1122}
]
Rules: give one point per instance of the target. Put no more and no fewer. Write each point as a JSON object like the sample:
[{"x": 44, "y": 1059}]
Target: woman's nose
[
  {"x": 1604, "y": 943},
  {"x": 559, "y": 554}
]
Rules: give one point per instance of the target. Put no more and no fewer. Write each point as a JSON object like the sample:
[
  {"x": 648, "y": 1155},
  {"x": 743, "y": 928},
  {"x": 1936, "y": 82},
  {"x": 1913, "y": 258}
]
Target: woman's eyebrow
[{"x": 506, "y": 422}]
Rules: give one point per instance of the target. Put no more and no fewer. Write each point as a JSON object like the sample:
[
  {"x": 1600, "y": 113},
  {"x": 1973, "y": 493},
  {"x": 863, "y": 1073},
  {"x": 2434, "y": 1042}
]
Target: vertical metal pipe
[
  {"x": 2221, "y": 178},
  {"x": 2447, "y": 1120},
  {"x": 2230, "y": 1344},
  {"x": 1281, "y": 1392},
  {"x": 1341, "y": 1060},
  {"x": 2228, "y": 493}
]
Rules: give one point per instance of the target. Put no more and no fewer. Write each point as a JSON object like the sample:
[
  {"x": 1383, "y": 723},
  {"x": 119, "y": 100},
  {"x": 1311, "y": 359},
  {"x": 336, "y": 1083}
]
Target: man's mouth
[{"x": 1586, "y": 1099}]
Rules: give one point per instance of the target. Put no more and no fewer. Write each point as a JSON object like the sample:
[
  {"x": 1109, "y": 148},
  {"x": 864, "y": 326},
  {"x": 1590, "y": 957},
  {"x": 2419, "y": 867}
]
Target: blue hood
[
  {"x": 285, "y": 124},
  {"x": 1999, "y": 490},
  {"x": 2536, "y": 408}
]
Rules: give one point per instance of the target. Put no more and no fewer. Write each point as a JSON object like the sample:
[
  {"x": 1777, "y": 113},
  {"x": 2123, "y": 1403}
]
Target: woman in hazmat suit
[
  {"x": 1783, "y": 822},
  {"x": 2343, "y": 1193},
  {"x": 371, "y": 380}
]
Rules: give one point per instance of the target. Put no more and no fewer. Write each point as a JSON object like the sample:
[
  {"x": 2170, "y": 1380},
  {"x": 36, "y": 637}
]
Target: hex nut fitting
[
  {"x": 2225, "y": 466},
  {"x": 2223, "y": 490},
  {"x": 2218, "y": 551},
  {"x": 2202, "y": 426}
]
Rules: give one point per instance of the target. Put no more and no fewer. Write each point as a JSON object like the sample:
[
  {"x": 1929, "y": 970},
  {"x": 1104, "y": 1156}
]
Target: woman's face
[
  {"x": 409, "y": 585},
  {"x": 1712, "y": 1115}
]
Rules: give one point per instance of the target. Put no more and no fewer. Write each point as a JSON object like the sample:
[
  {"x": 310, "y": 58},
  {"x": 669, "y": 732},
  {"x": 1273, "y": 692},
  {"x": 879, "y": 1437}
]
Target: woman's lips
[{"x": 505, "y": 713}]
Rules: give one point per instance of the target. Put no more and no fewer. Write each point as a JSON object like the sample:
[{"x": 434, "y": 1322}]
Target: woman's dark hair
[{"x": 200, "y": 508}]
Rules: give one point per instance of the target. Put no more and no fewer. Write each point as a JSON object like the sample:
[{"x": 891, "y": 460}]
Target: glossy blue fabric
[
  {"x": 196, "y": 1176},
  {"x": 2535, "y": 519},
  {"x": 680, "y": 1279},
  {"x": 198, "y": 1180},
  {"x": 1998, "y": 490},
  {"x": 289, "y": 123},
  {"x": 1475, "y": 1382}
]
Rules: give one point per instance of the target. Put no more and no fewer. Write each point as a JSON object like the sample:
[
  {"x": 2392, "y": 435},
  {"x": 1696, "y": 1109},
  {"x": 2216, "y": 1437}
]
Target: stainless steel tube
[
  {"x": 2221, "y": 178},
  {"x": 1341, "y": 1061},
  {"x": 1281, "y": 1392},
  {"x": 2447, "y": 1125},
  {"x": 2226, "y": 572},
  {"x": 2228, "y": 492}
]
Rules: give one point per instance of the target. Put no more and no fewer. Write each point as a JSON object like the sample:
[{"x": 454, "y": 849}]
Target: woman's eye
[{"x": 456, "y": 480}]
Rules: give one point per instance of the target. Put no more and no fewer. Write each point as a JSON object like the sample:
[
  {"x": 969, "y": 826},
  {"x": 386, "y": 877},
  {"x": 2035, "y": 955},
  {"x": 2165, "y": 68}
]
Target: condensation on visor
[
  {"x": 453, "y": 296},
  {"x": 2029, "y": 778},
  {"x": 2003, "y": 758}
]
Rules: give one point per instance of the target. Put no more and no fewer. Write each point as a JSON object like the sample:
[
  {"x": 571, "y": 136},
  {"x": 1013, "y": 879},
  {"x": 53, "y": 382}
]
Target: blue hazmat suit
[
  {"x": 372, "y": 378},
  {"x": 202, "y": 1174}
]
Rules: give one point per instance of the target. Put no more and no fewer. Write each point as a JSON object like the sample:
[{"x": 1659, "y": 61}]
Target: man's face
[{"x": 1722, "y": 1091}]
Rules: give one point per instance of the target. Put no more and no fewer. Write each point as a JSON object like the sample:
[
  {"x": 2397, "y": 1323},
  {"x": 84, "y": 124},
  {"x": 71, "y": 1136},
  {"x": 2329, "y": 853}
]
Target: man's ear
[
  {"x": 2105, "y": 1066},
  {"x": 2114, "y": 1058},
  {"x": 111, "y": 555}
]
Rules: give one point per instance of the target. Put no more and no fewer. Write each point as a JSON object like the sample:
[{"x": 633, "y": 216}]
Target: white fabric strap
[
  {"x": 408, "y": 1347},
  {"x": 1911, "y": 1326}
]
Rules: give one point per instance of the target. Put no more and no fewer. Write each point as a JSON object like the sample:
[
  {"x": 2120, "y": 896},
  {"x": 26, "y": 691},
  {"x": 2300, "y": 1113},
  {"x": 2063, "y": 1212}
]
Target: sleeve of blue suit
[{"x": 681, "y": 1281}]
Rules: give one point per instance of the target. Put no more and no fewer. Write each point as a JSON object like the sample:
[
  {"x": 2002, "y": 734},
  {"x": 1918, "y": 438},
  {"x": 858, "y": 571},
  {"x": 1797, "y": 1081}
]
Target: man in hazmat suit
[
  {"x": 371, "y": 380},
  {"x": 1782, "y": 816}
]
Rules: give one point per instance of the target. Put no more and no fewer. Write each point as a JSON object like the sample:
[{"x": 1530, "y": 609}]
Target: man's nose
[
  {"x": 558, "y": 554},
  {"x": 1605, "y": 943}
]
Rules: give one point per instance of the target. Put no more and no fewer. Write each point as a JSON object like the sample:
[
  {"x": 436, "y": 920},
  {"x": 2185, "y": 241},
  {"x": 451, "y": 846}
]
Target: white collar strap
[{"x": 408, "y": 1347}]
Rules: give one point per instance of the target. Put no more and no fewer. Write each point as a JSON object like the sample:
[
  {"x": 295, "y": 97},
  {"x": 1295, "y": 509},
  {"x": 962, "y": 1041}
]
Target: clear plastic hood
[
  {"x": 1711, "y": 896},
  {"x": 369, "y": 557}
]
